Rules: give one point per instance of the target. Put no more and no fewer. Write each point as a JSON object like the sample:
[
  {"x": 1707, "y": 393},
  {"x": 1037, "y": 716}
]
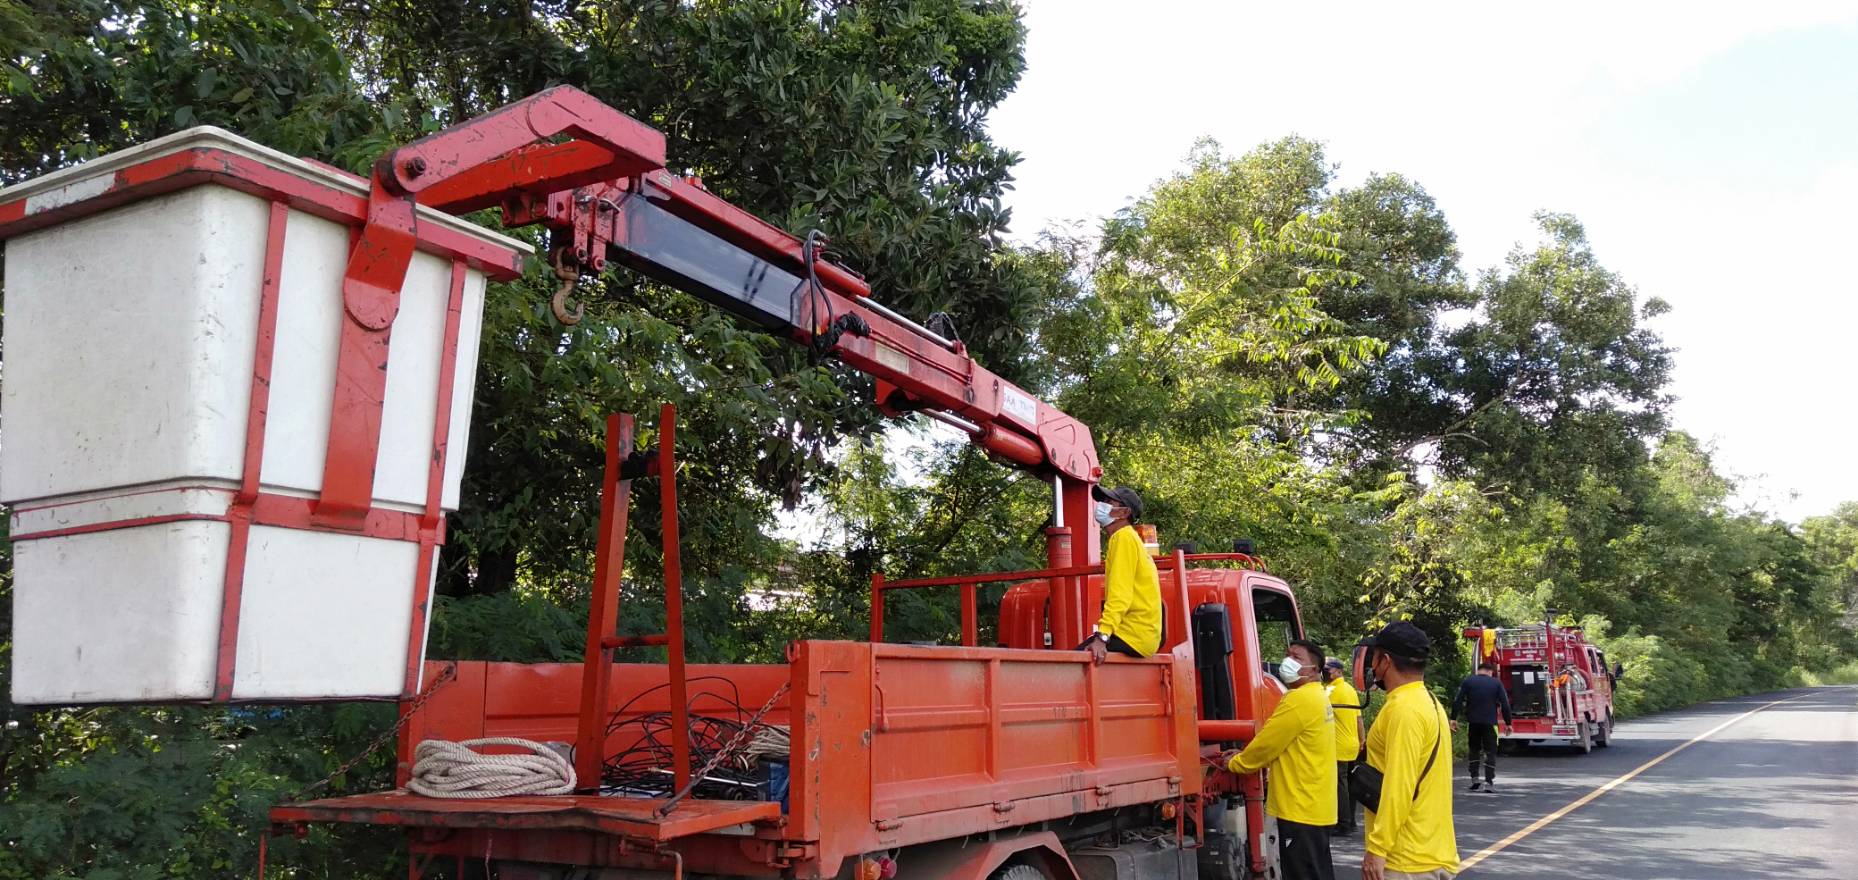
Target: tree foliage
[
  {"x": 865, "y": 121},
  {"x": 1262, "y": 351}
]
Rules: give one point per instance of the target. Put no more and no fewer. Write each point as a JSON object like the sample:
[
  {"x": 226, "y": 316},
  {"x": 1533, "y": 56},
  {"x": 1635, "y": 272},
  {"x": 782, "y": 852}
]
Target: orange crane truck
[{"x": 1018, "y": 759}]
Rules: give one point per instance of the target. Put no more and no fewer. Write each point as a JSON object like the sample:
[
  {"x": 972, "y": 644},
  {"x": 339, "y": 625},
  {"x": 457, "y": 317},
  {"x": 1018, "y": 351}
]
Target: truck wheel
[
  {"x": 1606, "y": 733},
  {"x": 1222, "y": 858},
  {"x": 1019, "y": 872},
  {"x": 1585, "y": 742}
]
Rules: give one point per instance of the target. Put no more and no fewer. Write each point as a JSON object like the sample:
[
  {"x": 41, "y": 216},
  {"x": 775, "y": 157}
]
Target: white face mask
[
  {"x": 1289, "y": 670},
  {"x": 1103, "y": 513}
]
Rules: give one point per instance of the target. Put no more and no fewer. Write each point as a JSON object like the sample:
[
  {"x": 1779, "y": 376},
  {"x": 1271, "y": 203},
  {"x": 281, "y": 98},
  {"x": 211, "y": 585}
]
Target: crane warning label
[{"x": 1019, "y": 405}]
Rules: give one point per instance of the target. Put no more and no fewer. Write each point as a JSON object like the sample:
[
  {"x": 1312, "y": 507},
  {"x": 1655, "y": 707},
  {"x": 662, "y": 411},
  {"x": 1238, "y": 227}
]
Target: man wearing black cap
[
  {"x": 1131, "y": 621},
  {"x": 1411, "y": 835}
]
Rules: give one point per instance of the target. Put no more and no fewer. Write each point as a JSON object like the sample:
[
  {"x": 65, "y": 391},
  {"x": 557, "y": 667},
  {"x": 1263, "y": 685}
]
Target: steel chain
[
  {"x": 740, "y": 739},
  {"x": 419, "y": 702}
]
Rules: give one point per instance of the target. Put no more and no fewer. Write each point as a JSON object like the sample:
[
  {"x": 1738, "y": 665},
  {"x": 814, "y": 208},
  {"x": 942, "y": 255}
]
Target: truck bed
[{"x": 892, "y": 745}]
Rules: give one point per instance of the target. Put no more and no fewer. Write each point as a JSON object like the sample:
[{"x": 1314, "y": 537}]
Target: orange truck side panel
[
  {"x": 893, "y": 745},
  {"x": 906, "y": 745}
]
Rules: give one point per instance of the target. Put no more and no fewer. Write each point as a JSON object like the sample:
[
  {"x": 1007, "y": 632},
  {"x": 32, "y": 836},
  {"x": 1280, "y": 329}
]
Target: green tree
[
  {"x": 85, "y": 77},
  {"x": 1833, "y": 541},
  {"x": 1553, "y": 375},
  {"x": 1404, "y": 256},
  {"x": 1201, "y": 313}
]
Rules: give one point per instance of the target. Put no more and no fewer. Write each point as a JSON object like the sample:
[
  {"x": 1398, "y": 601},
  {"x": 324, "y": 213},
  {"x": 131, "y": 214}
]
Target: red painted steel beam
[
  {"x": 239, "y": 513},
  {"x": 609, "y": 562},
  {"x": 432, "y": 522},
  {"x": 992, "y": 577},
  {"x": 674, "y": 598},
  {"x": 370, "y": 301},
  {"x": 877, "y": 606},
  {"x": 1227, "y": 731},
  {"x": 1179, "y": 610},
  {"x": 476, "y": 152},
  {"x": 206, "y": 165},
  {"x": 533, "y": 171},
  {"x": 1071, "y": 596},
  {"x": 628, "y": 817},
  {"x": 651, "y": 641},
  {"x": 1246, "y": 561},
  {"x": 970, "y": 618}
]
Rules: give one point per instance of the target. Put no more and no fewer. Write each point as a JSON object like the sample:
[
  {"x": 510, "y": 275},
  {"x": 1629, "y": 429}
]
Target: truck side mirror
[{"x": 1619, "y": 670}]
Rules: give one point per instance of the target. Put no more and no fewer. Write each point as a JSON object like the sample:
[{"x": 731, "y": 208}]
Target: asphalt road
[{"x": 1774, "y": 794}]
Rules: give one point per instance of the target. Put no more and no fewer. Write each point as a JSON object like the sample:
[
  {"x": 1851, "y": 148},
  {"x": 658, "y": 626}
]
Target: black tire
[
  {"x": 1220, "y": 856},
  {"x": 1021, "y": 871},
  {"x": 1585, "y": 740},
  {"x": 1606, "y": 733}
]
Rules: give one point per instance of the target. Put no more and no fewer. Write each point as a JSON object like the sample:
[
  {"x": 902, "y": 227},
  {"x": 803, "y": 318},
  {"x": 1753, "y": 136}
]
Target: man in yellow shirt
[
  {"x": 1411, "y": 836},
  {"x": 1298, "y": 743},
  {"x": 1131, "y": 621},
  {"x": 1348, "y": 737}
]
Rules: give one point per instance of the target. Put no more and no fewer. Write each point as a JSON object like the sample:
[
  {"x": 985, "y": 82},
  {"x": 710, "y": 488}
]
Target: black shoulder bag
[{"x": 1364, "y": 782}]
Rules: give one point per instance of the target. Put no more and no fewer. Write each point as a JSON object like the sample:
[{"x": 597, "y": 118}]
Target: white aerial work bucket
[{"x": 205, "y": 502}]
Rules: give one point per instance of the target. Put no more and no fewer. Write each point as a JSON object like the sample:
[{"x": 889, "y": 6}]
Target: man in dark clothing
[{"x": 1482, "y": 697}]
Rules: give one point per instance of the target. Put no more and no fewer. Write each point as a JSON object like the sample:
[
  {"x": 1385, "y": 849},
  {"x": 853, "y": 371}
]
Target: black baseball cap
[
  {"x": 1122, "y": 496},
  {"x": 1334, "y": 663},
  {"x": 1402, "y": 639}
]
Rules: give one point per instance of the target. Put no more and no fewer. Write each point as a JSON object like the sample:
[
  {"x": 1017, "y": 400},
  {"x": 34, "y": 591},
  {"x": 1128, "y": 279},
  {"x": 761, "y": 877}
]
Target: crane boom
[{"x": 604, "y": 194}]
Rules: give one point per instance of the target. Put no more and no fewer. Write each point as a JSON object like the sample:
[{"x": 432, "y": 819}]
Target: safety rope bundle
[
  {"x": 443, "y": 769},
  {"x": 769, "y": 741}
]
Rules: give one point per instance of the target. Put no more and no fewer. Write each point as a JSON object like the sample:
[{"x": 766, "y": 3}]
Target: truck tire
[
  {"x": 1606, "y": 733},
  {"x": 1584, "y": 741},
  {"x": 1222, "y": 854},
  {"x": 1020, "y": 871}
]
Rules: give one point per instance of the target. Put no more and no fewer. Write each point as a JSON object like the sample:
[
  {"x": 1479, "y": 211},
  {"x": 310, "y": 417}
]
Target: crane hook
[{"x": 569, "y": 274}]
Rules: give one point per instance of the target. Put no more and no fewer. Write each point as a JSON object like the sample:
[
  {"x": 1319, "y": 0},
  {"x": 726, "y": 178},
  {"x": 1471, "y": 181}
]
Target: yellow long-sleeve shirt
[
  {"x": 1347, "y": 703},
  {"x": 1131, "y": 593},
  {"x": 1298, "y": 743},
  {"x": 1415, "y": 835}
]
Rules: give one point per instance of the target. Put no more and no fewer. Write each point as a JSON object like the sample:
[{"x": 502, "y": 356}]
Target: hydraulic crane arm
[
  {"x": 605, "y": 195},
  {"x": 674, "y": 231}
]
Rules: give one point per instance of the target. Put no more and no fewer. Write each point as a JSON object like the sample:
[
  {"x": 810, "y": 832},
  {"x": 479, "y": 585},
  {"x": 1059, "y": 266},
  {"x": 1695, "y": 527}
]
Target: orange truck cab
[
  {"x": 1243, "y": 620},
  {"x": 1560, "y": 686}
]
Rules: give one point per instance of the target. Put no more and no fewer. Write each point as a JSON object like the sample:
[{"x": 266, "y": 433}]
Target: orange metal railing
[{"x": 970, "y": 583}]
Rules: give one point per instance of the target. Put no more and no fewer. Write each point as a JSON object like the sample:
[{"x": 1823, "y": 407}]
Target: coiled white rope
[
  {"x": 444, "y": 769},
  {"x": 770, "y": 741}
]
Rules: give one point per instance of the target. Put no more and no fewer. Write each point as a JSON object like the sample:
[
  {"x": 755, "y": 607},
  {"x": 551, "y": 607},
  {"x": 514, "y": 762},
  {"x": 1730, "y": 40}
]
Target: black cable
[
  {"x": 823, "y": 334},
  {"x": 644, "y": 768}
]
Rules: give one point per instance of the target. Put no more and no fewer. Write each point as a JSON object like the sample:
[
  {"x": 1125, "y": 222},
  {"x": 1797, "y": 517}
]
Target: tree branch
[{"x": 1453, "y": 429}]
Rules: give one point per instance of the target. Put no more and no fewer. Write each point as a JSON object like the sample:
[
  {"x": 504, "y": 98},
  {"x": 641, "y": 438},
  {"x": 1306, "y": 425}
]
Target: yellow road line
[{"x": 1545, "y": 821}]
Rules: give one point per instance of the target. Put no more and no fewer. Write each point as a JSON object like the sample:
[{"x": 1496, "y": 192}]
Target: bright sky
[{"x": 1711, "y": 153}]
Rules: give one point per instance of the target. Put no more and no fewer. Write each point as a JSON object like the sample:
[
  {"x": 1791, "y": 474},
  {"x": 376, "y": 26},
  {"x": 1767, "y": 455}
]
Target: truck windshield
[{"x": 1277, "y": 625}]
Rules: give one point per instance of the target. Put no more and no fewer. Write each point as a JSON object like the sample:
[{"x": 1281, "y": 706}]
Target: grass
[{"x": 1846, "y": 674}]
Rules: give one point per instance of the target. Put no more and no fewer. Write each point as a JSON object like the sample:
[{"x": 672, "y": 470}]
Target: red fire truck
[{"x": 1560, "y": 686}]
